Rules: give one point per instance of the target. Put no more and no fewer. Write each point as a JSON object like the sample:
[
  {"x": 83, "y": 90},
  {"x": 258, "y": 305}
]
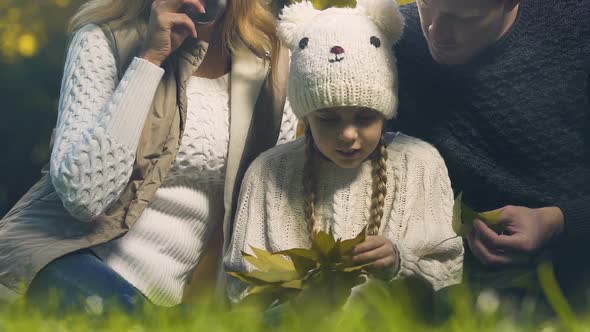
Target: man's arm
[{"x": 528, "y": 231}]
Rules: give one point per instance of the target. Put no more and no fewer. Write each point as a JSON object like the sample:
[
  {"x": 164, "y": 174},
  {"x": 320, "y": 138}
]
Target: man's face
[{"x": 457, "y": 30}]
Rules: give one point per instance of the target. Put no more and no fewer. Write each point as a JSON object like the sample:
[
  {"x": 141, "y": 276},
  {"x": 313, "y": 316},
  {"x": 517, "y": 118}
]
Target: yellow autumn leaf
[
  {"x": 271, "y": 276},
  {"x": 266, "y": 261},
  {"x": 490, "y": 217},
  {"x": 296, "y": 284},
  {"x": 346, "y": 246},
  {"x": 463, "y": 217},
  {"x": 324, "y": 243},
  {"x": 461, "y": 223}
]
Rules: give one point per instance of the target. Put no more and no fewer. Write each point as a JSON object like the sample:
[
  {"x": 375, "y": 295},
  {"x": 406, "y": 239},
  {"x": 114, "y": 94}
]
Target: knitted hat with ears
[{"x": 342, "y": 56}]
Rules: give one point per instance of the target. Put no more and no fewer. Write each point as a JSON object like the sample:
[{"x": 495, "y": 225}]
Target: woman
[{"x": 161, "y": 111}]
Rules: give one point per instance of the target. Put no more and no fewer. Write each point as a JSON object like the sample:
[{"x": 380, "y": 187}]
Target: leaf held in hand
[
  {"x": 461, "y": 225},
  {"x": 463, "y": 217},
  {"x": 346, "y": 246},
  {"x": 490, "y": 217},
  {"x": 323, "y": 243},
  {"x": 266, "y": 261},
  {"x": 326, "y": 264}
]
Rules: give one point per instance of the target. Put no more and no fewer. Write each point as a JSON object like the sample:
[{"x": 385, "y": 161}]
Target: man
[{"x": 501, "y": 88}]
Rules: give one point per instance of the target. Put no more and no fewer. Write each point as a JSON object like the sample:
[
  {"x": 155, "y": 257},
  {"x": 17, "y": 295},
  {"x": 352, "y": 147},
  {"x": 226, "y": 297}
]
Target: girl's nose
[
  {"x": 337, "y": 50},
  {"x": 349, "y": 134}
]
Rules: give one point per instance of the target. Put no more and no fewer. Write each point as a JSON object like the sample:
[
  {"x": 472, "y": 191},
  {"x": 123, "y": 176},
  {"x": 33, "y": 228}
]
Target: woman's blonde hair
[
  {"x": 116, "y": 12},
  {"x": 250, "y": 21},
  {"x": 379, "y": 175}
]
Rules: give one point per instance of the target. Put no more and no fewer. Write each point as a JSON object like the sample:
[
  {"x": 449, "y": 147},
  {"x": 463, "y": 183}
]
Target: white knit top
[
  {"x": 417, "y": 211},
  {"x": 157, "y": 255},
  {"x": 99, "y": 125}
]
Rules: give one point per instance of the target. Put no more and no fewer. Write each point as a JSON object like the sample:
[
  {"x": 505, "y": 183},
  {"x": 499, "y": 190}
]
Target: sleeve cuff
[
  {"x": 132, "y": 101},
  {"x": 576, "y": 220},
  {"x": 392, "y": 273}
]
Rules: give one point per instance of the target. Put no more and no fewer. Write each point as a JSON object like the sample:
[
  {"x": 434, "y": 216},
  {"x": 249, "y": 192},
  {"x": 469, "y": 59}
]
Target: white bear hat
[{"x": 342, "y": 56}]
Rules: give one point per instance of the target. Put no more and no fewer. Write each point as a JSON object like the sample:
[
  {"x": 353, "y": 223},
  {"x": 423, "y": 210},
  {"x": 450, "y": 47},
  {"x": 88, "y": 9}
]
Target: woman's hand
[
  {"x": 380, "y": 251},
  {"x": 168, "y": 27}
]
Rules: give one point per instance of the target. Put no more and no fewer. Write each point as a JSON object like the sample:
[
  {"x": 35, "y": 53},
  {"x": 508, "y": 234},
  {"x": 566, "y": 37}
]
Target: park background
[{"x": 33, "y": 41}]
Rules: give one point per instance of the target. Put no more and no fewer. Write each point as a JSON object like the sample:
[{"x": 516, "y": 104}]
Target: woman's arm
[{"x": 99, "y": 124}]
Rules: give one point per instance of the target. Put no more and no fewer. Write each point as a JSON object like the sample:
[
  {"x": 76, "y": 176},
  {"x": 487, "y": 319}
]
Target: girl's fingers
[
  {"x": 370, "y": 243},
  {"x": 373, "y": 255},
  {"x": 384, "y": 263}
]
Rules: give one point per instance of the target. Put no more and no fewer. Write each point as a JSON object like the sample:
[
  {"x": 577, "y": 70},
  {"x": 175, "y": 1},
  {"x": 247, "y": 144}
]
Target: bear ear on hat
[
  {"x": 385, "y": 14},
  {"x": 292, "y": 22}
]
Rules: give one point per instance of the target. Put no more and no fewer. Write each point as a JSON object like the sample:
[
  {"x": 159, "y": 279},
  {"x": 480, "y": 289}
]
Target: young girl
[{"x": 346, "y": 173}]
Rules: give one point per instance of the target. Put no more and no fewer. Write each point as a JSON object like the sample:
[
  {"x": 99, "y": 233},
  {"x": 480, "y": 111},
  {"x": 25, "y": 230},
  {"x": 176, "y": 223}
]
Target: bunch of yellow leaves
[{"x": 326, "y": 268}]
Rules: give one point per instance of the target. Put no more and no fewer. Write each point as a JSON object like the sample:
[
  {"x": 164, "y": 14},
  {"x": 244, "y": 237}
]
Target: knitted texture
[
  {"x": 417, "y": 210},
  {"x": 342, "y": 56},
  {"x": 513, "y": 124},
  {"x": 159, "y": 253},
  {"x": 99, "y": 124}
]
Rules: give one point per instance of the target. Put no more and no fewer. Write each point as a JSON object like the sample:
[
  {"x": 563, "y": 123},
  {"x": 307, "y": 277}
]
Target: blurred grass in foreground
[{"x": 399, "y": 307}]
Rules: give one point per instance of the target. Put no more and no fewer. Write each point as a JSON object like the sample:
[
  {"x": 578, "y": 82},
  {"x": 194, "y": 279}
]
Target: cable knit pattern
[
  {"x": 417, "y": 210},
  {"x": 158, "y": 254},
  {"x": 513, "y": 124},
  {"x": 288, "y": 125},
  {"x": 99, "y": 124}
]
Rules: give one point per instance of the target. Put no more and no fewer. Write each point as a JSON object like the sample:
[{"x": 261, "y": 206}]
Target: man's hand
[{"x": 526, "y": 232}]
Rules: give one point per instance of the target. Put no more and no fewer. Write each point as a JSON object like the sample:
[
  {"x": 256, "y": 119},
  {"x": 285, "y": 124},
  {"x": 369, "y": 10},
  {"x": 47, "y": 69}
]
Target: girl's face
[{"x": 346, "y": 135}]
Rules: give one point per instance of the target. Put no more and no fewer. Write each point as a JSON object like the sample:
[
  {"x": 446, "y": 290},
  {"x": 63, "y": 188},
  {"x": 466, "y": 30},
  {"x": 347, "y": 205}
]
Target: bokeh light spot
[{"x": 27, "y": 45}]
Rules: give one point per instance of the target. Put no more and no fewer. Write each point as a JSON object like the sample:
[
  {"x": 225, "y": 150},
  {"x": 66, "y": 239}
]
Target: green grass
[{"x": 400, "y": 308}]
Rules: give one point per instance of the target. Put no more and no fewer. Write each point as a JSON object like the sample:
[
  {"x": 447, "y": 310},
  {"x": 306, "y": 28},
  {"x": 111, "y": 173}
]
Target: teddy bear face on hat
[{"x": 342, "y": 56}]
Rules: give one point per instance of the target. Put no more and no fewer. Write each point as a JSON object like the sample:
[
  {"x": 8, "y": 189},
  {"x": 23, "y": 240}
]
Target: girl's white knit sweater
[
  {"x": 417, "y": 212},
  {"x": 98, "y": 129}
]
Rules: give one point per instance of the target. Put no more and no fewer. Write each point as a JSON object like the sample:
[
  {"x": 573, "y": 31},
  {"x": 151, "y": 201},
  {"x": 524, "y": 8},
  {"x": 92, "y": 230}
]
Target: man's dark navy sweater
[{"x": 513, "y": 124}]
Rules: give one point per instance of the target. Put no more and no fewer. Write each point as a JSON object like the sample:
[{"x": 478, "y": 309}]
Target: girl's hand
[
  {"x": 380, "y": 251},
  {"x": 168, "y": 27}
]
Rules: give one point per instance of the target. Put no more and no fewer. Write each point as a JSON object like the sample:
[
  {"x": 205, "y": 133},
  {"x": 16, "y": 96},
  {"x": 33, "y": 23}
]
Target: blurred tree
[{"x": 32, "y": 48}]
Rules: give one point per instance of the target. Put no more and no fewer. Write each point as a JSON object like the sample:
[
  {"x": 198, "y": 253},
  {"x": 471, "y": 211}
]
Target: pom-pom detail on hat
[
  {"x": 385, "y": 14},
  {"x": 292, "y": 21}
]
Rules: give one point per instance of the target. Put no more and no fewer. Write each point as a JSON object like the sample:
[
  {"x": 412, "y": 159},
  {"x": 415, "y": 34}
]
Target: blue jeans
[{"x": 82, "y": 281}]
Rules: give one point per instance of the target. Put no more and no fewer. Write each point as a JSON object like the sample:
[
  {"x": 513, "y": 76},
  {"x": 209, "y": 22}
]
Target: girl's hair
[
  {"x": 379, "y": 172},
  {"x": 309, "y": 183},
  {"x": 250, "y": 21},
  {"x": 378, "y": 163}
]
